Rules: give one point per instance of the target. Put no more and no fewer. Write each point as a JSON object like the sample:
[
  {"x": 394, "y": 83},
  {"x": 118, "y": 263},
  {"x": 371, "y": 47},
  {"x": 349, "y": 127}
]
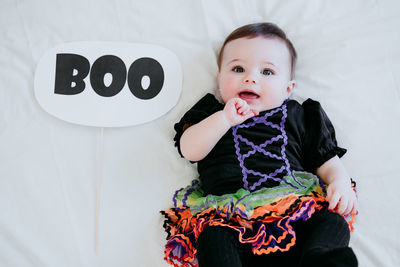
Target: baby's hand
[
  {"x": 341, "y": 197},
  {"x": 237, "y": 110}
]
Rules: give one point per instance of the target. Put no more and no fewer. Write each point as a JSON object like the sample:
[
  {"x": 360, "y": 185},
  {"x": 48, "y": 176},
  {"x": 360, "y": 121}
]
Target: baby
[{"x": 272, "y": 189}]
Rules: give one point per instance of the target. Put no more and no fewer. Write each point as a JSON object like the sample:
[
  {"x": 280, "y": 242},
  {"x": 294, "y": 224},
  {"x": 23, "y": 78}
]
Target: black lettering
[
  {"x": 145, "y": 67},
  {"x": 108, "y": 64},
  {"x": 65, "y": 66}
]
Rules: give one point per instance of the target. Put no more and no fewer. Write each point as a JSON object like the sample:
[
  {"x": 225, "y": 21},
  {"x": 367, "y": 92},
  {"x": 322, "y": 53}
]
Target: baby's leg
[
  {"x": 218, "y": 246},
  {"x": 326, "y": 238}
]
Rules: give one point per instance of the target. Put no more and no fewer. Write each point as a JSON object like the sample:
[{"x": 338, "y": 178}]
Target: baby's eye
[
  {"x": 238, "y": 69},
  {"x": 267, "y": 72}
]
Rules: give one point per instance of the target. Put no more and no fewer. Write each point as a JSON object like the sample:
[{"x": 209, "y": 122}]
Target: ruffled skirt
[{"x": 261, "y": 218}]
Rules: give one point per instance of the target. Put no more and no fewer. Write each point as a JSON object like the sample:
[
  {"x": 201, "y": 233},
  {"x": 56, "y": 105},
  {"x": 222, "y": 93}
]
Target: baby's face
[{"x": 256, "y": 70}]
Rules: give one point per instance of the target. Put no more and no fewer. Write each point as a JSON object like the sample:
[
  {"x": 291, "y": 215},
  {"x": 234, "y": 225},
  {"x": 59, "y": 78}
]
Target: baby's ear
[{"x": 291, "y": 85}]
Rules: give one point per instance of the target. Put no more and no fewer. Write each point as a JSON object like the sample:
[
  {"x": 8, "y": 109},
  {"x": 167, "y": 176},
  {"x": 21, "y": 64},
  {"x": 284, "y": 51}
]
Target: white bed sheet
[{"x": 348, "y": 60}]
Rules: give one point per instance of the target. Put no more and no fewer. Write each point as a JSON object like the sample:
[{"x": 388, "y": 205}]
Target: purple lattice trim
[
  {"x": 283, "y": 147},
  {"x": 265, "y": 177},
  {"x": 260, "y": 148}
]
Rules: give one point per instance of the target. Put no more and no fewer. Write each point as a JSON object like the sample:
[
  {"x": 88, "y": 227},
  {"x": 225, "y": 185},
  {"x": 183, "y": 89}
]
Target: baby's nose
[
  {"x": 251, "y": 77},
  {"x": 250, "y": 80}
]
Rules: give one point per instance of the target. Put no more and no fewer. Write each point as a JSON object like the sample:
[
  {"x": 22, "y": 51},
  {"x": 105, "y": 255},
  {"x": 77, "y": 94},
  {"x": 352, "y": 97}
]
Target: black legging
[{"x": 321, "y": 241}]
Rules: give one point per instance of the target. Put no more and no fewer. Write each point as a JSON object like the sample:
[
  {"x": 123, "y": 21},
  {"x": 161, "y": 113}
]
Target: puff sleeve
[
  {"x": 320, "y": 142},
  {"x": 201, "y": 110}
]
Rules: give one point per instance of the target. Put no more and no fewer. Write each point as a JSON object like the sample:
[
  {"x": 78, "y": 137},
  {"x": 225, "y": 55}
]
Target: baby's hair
[{"x": 265, "y": 29}]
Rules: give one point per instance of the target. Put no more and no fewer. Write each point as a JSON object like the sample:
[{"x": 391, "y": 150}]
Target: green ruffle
[{"x": 193, "y": 197}]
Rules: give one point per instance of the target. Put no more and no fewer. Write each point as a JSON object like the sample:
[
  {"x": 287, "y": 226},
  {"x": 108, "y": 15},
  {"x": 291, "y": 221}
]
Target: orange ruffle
[{"x": 183, "y": 228}]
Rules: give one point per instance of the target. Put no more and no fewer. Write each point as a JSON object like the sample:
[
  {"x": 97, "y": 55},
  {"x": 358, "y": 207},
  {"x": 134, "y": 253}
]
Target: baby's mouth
[{"x": 248, "y": 95}]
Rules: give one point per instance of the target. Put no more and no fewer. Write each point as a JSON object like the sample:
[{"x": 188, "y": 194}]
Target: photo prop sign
[{"x": 107, "y": 84}]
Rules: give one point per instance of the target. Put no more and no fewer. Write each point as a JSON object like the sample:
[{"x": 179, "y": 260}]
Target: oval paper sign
[{"x": 108, "y": 84}]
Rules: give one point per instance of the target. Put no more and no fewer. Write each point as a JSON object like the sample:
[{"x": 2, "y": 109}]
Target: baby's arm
[
  {"x": 340, "y": 194},
  {"x": 199, "y": 139}
]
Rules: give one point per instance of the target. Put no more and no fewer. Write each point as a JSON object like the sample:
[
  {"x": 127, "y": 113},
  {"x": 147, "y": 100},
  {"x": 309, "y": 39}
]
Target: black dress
[
  {"x": 310, "y": 142},
  {"x": 257, "y": 180}
]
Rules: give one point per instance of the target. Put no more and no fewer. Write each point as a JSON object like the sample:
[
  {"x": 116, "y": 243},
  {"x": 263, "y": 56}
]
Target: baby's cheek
[
  {"x": 229, "y": 86},
  {"x": 227, "y": 90}
]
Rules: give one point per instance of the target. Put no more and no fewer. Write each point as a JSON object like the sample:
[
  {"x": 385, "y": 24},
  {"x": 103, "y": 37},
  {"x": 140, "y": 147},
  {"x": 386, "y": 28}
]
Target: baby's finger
[
  {"x": 244, "y": 109},
  {"x": 340, "y": 207},
  {"x": 349, "y": 209},
  {"x": 344, "y": 206},
  {"x": 329, "y": 194},
  {"x": 237, "y": 102},
  {"x": 240, "y": 102},
  {"x": 333, "y": 202},
  {"x": 248, "y": 115}
]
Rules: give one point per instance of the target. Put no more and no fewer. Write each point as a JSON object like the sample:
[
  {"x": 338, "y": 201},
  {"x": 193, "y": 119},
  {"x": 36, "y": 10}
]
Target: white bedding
[{"x": 348, "y": 60}]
